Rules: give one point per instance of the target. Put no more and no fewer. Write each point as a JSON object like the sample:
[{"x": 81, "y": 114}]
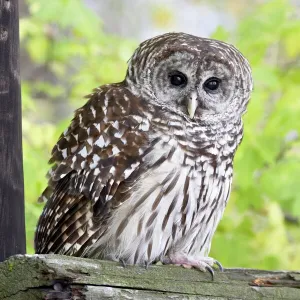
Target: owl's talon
[
  {"x": 219, "y": 265},
  {"x": 210, "y": 270}
]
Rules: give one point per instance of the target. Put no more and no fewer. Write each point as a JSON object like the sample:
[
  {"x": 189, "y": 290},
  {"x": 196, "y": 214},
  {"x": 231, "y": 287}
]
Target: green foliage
[{"x": 66, "y": 38}]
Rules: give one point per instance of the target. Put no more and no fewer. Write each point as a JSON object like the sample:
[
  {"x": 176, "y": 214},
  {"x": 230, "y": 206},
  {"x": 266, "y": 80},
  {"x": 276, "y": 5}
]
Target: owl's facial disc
[
  {"x": 200, "y": 79},
  {"x": 185, "y": 84}
]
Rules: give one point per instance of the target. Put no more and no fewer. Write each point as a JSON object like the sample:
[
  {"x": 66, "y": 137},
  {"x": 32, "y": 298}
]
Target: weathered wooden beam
[
  {"x": 63, "y": 277},
  {"x": 12, "y": 224}
]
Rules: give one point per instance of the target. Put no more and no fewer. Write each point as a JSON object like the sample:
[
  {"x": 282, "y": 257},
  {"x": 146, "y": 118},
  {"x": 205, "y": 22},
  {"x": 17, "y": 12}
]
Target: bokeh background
[{"x": 69, "y": 47}]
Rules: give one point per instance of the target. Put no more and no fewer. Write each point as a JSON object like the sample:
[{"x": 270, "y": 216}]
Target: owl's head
[{"x": 202, "y": 79}]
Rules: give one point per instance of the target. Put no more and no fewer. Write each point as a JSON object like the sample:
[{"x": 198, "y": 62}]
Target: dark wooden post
[{"x": 12, "y": 225}]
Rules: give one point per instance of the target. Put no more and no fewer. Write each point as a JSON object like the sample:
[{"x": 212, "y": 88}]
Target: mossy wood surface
[{"x": 61, "y": 277}]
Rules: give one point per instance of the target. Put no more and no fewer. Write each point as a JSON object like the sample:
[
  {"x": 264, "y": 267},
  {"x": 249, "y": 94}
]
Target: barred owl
[{"x": 143, "y": 173}]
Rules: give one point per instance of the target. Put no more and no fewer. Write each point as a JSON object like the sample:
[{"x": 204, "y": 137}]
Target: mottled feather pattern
[
  {"x": 93, "y": 153},
  {"x": 135, "y": 178}
]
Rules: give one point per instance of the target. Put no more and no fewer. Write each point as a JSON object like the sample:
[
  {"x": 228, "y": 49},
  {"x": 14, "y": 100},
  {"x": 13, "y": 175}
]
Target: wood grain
[{"x": 12, "y": 225}]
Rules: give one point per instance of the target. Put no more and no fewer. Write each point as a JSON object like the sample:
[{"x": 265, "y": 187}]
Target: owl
[{"x": 143, "y": 173}]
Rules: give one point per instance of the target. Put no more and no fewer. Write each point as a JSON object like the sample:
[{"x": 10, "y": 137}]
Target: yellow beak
[{"x": 192, "y": 105}]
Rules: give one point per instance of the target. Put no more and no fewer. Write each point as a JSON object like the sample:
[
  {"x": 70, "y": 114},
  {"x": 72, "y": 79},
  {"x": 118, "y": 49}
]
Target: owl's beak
[{"x": 192, "y": 104}]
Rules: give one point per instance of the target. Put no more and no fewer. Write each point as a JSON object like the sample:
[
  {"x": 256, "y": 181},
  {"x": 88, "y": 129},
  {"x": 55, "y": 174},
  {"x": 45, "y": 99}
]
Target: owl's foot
[{"x": 201, "y": 263}]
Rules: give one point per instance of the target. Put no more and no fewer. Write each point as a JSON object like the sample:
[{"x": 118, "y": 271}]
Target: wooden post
[{"x": 12, "y": 225}]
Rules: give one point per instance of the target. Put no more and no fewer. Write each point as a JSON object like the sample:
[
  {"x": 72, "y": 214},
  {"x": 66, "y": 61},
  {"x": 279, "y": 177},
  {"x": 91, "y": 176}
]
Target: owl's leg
[{"x": 188, "y": 261}]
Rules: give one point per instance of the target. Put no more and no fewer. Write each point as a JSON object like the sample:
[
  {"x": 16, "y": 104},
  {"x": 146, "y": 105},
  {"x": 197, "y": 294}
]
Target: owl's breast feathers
[{"x": 129, "y": 182}]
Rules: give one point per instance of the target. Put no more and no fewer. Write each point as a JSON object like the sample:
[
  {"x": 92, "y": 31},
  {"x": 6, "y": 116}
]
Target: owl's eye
[
  {"x": 211, "y": 84},
  {"x": 178, "y": 79}
]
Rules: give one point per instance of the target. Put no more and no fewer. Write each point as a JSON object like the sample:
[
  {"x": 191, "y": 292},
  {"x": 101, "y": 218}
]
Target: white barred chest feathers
[
  {"x": 183, "y": 199},
  {"x": 143, "y": 172}
]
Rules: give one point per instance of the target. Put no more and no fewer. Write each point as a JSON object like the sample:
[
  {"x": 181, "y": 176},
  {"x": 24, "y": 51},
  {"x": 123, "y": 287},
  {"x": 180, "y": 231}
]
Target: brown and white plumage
[{"x": 144, "y": 171}]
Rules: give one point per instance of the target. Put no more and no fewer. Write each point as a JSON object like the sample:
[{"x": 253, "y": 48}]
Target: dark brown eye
[
  {"x": 178, "y": 79},
  {"x": 211, "y": 84}
]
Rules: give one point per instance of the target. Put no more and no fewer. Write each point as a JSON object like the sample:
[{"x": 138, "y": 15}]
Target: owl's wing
[{"x": 92, "y": 158}]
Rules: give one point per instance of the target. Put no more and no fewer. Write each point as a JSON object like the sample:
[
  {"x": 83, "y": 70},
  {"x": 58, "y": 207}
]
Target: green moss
[{"x": 10, "y": 265}]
